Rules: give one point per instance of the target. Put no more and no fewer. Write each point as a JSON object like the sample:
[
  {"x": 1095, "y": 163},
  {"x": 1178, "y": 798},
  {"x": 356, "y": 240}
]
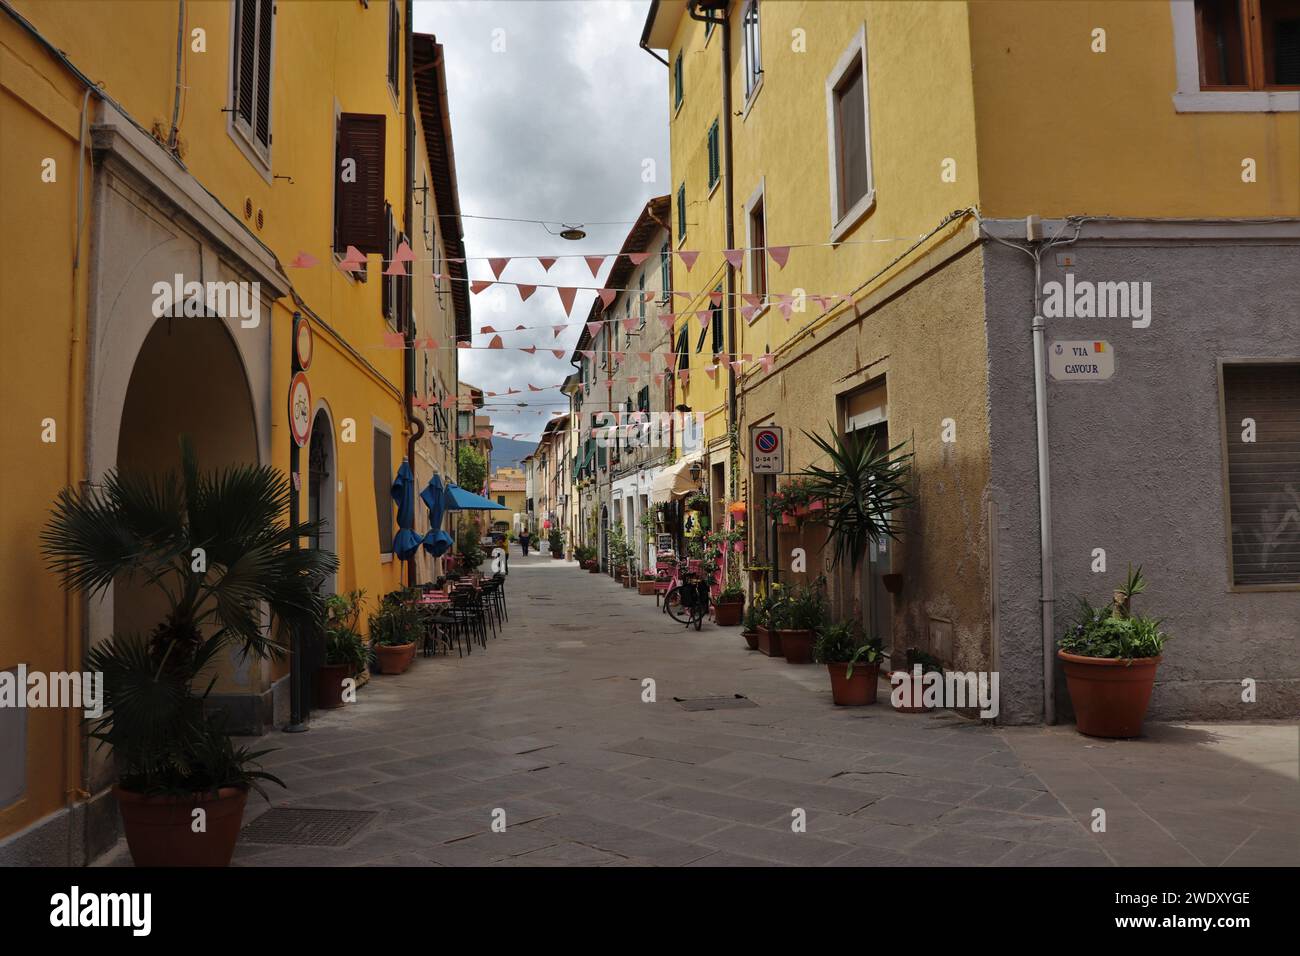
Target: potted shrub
[
  {"x": 729, "y": 607},
  {"x": 749, "y": 630},
  {"x": 854, "y": 665},
  {"x": 645, "y": 585},
  {"x": 776, "y": 617},
  {"x": 1110, "y": 656},
  {"x": 394, "y": 630},
  {"x": 910, "y": 700},
  {"x": 556, "y": 541},
  {"x": 345, "y": 649},
  {"x": 169, "y": 749},
  {"x": 805, "y": 615}
]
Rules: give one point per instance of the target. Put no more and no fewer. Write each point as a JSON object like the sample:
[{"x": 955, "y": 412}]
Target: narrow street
[{"x": 548, "y": 724}]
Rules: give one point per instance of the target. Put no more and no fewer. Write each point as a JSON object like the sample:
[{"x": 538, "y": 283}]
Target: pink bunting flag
[
  {"x": 636, "y": 258},
  {"x": 632, "y": 379},
  {"x": 684, "y": 296},
  {"x": 490, "y": 394},
  {"x": 715, "y": 298},
  {"x": 659, "y": 378},
  {"x": 684, "y": 375},
  {"x": 607, "y": 296},
  {"x": 670, "y": 359},
  {"x": 404, "y": 253},
  {"x": 498, "y": 265},
  {"x": 512, "y": 391},
  {"x": 478, "y": 285},
  {"x": 648, "y": 297},
  {"x": 396, "y": 267},
  {"x": 520, "y": 328},
  {"x": 589, "y": 354},
  {"x": 430, "y": 343},
  {"x": 688, "y": 258},
  {"x": 734, "y": 256},
  {"x": 785, "y": 303},
  {"x": 767, "y": 361},
  {"x": 751, "y": 298},
  {"x": 566, "y": 298},
  {"x": 418, "y": 402},
  {"x": 779, "y": 254},
  {"x": 712, "y": 372},
  {"x": 593, "y": 328},
  {"x": 736, "y": 366},
  {"x": 533, "y": 388},
  {"x": 630, "y": 323},
  {"x": 353, "y": 260},
  {"x": 463, "y": 345},
  {"x": 496, "y": 342},
  {"x": 704, "y": 315},
  {"x": 394, "y": 340},
  {"x": 823, "y": 301},
  {"x": 304, "y": 260},
  {"x": 617, "y": 356},
  {"x": 525, "y": 291},
  {"x": 594, "y": 263},
  {"x": 559, "y": 353},
  {"x": 483, "y": 330},
  {"x": 546, "y": 262},
  {"x": 644, "y": 356},
  {"x": 747, "y": 312},
  {"x": 531, "y": 350},
  {"x": 667, "y": 319},
  {"x": 558, "y": 330}
]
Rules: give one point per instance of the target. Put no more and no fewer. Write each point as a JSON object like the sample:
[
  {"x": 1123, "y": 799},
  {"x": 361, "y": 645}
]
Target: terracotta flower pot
[
  {"x": 769, "y": 642},
  {"x": 856, "y": 690},
  {"x": 751, "y": 638},
  {"x": 797, "y": 646},
  {"x": 329, "y": 685},
  {"x": 594, "y": 569},
  {"x": 394, "y": 658},
  {"x": 159, "y": 830},
  {"x": 895, "y": 679},
  {"x": 1110, "y": 697},
  {"x": 728, "y": 614},
  {"x": 645, "y": 588}
]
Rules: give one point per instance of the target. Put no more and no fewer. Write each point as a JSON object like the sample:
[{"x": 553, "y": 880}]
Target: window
[
  {"x": 756, "y": 241},
  {"x": 677, "y": 81},
  {"x": 501, "y": 499},
  {"x": 716, "y": 316},
  {"x": 753, "y": 54},
  {"x": 683, "y": 348},
  {"x": 383, "y": 445},
  {"x": 849, "y": 137},
  {"x": 681, "y": 212},
  {"x": 665, "y": 273},
  {"x": 360, "y": 213},
  {"x": 715, "y": 163},
  {"x": 251, "y": 76},
  {"x": 1261, "y": 404},
  {"x": 640, "y": 300},
  {"x": 394, "y": 44},
  {"x": 1248, "y": 44}
]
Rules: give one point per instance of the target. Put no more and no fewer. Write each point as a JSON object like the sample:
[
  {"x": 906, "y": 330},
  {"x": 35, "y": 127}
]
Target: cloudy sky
[{"x": 554, "y": 111}]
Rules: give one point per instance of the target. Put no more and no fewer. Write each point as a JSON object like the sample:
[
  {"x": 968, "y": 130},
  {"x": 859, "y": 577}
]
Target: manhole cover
[
  {"x": 302, "y": 827},
  {"x": 734, "y": 702}
]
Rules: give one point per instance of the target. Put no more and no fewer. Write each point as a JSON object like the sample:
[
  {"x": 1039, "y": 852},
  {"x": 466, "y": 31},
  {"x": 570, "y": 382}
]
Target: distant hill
[{"x": 509, "y": 452}]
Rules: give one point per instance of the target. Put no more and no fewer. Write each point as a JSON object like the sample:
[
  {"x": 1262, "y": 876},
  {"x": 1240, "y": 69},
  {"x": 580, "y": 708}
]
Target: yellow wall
[{"x": 1065, "y": 131}]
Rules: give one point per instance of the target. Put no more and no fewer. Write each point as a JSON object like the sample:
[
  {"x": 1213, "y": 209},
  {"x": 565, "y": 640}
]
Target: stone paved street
[{"x": 549, "y": 725}]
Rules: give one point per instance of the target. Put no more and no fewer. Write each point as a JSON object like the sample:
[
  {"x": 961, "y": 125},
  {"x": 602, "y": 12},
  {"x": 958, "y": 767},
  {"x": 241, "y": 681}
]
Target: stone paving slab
[{"x": 548, "y": 725}]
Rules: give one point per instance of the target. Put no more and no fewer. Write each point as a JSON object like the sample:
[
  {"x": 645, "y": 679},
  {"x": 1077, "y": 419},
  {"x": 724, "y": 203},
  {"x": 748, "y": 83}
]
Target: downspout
[
  {"x": 416, "y": 429},
  {"x": 173, "y": 134}
]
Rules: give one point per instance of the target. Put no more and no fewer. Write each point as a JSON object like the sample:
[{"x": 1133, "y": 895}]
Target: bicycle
[{"x": 687, "y": 602}]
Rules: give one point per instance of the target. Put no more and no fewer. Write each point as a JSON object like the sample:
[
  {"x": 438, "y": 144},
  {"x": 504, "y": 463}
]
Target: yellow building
[
  {"x": 245, "y": 147},
  {"x": 506, "y": 487},
  {"x": 906, "y": 185}
]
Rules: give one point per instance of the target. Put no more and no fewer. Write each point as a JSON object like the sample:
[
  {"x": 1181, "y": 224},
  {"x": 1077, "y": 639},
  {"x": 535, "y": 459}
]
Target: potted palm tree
[
  {"x": 394, "y": 629},
  {"x": 1110, "y": 656},
  {"x": 853, "y": 664},
  {"x": 220, "y": 550}
]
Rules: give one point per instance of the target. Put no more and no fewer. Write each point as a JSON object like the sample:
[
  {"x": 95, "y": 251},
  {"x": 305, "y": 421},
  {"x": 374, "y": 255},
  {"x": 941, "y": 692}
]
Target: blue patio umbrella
[
  {"x": 437, "y": 542},
  {"x": 407, "y": 542},
  {"x": 458, "y": 499}
]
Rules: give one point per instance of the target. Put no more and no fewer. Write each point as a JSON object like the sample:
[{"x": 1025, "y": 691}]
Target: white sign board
[
  {"x": 766, "y": 450},
  {"x": 1082, "y": 361}
]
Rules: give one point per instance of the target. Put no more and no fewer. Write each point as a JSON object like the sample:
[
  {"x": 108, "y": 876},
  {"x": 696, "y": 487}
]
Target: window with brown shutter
[
  {"x": 394, "y": 44},
  {"x": 389, "y": 286},
  {"x": 1248, "y": 44},
  {"x": 251, "y": 75},
  {"x": 1261, "y": 404},
  {"x": 384, "y": 489},
  {"x": 359, "y": 205}
]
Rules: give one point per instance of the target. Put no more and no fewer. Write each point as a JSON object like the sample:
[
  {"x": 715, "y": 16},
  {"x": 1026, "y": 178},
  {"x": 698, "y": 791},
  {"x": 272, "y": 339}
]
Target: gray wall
[{"x": 1136, "y": 469}]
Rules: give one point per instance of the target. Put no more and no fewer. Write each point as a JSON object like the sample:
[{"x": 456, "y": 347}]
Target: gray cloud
[{"x": 555, "y": 127}]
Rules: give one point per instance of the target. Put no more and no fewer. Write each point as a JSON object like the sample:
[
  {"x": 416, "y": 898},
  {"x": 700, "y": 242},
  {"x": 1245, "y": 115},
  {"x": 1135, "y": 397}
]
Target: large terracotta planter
[
  {"x": 645, "y": 588},
  {"x": 918, "y": 687},
  {"x": 159, "y": 830},
  {"x": 394, "y": 658},
  {"x": 751, "y": 638},
  {"x": 856, "y": 690},
  {"x": 797, "y": 645},
  {"x": 1110, "y": 697},
  {"x": 329, "y": 685},
  {"x": 728, "y": 614},
  {"x": 769, "y": 642}
]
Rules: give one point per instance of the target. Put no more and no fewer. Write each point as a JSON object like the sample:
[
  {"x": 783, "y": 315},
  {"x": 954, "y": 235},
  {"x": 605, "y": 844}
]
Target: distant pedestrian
[{"x": 523, "y": 541}]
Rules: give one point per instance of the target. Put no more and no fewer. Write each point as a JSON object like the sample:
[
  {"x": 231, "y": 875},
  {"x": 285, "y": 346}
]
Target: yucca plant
[
  {"x": 218, "y": 547},
  {"x": 863, "y": 489}
]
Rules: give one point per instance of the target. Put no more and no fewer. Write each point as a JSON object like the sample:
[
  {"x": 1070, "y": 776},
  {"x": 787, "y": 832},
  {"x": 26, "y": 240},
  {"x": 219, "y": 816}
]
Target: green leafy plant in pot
[
  {"x": 805, "y": 614},
  {"x": 753, "y": 619},
  {"x": 217, "y": 548},
  {"x": 853, "y": 664},
  {"x": 394, "y": 629},
  {"x": 1110, "y": 656},
  {"x": 775, "y": 611},
  {"x": 345, "y": 649},
  {"x": 556, "y": 542}
]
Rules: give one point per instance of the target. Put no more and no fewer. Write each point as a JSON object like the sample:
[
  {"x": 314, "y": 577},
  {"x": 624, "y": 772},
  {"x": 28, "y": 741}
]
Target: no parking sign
[{"x": 766, "y": 450}]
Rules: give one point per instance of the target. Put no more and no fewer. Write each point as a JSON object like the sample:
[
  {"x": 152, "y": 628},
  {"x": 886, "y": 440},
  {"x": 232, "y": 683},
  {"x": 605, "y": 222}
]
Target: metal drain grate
[
  {"x": 296, "y": 826},
  {"x": 735, "y": 702}
]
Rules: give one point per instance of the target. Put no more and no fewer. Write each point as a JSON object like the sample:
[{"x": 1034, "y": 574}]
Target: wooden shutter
[
  {"x": 1264, "y": 474},
  {"x": 389, "y": 285},
  {"x": 246, "y": 59},
  {"x": 262, "y": 127},
  {"x": 384, "y": 489},
  {"x": 359, "y": 206}
]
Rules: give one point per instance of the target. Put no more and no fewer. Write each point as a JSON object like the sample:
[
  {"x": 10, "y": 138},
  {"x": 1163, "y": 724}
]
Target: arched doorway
[{"x": 321, "y": 487}]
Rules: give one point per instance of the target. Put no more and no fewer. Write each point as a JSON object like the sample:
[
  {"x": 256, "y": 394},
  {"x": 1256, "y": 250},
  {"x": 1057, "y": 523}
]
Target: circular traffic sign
[
  {"x": 303, "y": 343},
  {"x": 300, "y": 408},
  {"x": 766, "y": 441}
]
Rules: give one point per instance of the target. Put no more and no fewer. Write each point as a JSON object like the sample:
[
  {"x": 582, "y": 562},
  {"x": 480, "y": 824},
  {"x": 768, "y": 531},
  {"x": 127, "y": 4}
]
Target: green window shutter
[
  {"x": 681, "y": 210},
  {"x": 677, "y": 81},
  {"x": 715, "y": 165}
]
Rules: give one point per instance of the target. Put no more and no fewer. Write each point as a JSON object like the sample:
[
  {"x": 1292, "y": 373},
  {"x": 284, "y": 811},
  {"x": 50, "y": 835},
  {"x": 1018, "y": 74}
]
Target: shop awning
[{"x": 674, "y": 480}]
